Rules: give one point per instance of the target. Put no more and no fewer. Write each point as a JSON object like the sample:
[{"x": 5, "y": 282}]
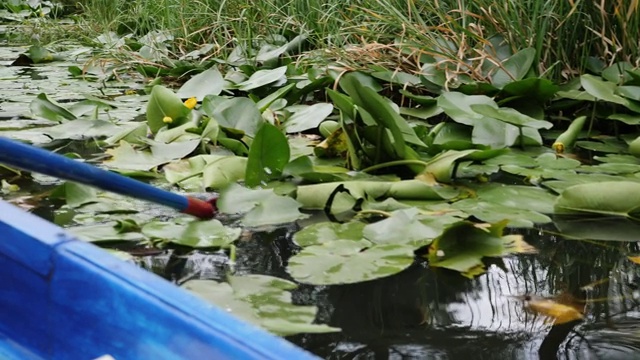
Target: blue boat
[{"x": 61, "y": 298}]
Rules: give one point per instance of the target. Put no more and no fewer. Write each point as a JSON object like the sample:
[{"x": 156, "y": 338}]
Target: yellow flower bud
[
  {"x": 558, "y": 147},
  {"x": 167, "y": 120},
  {"x": 191, "y": 103}
]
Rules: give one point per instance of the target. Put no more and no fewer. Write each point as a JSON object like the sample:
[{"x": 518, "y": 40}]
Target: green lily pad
[
  {"x": 609, "y": 198},
  {"x": 260, "y": 207},
  {"x": 261, "y": 78},
  {"x": 321, "y": 232},
  {"x": 236, "y": 113},
  {"x": 268, "y": 155},
  {"x": 126, "y": 157},
  {"x": 165, "y": 104},
  {"x": 107, "y": 232},
  {"x": 194, "y": 233},
  {"x": 307, "y": 117},
  {"x": 48, "y": 109},
  {"x": 262, "y": 300},
  {"x": 518, "y": 197},
  {"x": 208, "y": 82},
  {"x": 347, "y": 262},
  {"x": 495, "y": 212}
]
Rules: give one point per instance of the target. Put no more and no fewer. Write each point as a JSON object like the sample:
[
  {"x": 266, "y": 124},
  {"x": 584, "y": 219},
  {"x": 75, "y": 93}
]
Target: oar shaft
[{"x": 38, "y": 160}]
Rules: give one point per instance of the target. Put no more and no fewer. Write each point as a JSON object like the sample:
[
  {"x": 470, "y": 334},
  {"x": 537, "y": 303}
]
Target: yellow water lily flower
[
  {"x": 191, "y": 103},
  {"x": 167, "y": 120}
]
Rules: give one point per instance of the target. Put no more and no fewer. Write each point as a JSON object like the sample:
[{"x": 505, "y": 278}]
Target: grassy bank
[{"x": 568, "y": 36}]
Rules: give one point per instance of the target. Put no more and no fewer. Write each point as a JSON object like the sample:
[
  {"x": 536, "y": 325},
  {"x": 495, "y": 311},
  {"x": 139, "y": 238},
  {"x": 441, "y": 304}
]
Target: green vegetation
[{"x": 423, "y": 131}]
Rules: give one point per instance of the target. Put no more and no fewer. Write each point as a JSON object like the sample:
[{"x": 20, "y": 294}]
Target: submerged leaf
[
  {"x": 261, "y": 300},
  {"x": 194, "y": 233}
]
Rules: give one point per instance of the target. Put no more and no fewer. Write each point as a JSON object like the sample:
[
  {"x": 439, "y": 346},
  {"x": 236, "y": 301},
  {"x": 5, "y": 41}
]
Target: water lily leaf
[
  {"x": 453, "y": 136},
  {"x": 442, "y": 165},
  {"x": 307, "y": 117},
  {"x": 107, "y": 232},
  {"x": 262, "y": 300},
  {"x": 617, "y": 73},
  {"x": 268, "y": 155},
  {"x": 463, "y": 245},
  {"x": 260, "y": 207},
  {"x": 626, "y": 118},
  {"x": 48, "y": 109},
  {"x": 397, "y": 77},
  {"x": 223, "y": 171},
  {"x": 551, "y": 161},
  {"x": 458, "y": 106},
  {"x": 208, "y": 82},
  {"x": 630, "y": 92},
  {"x": 82, "y": 129},
  {"x": 316, "y": 196},
  {"x": 39, "y": 54},
  {"x": 402, "y": 227},
  {"x": 346, "y": 262},
  {"x": 494, "y": 212},
  {"x": 514, "y": 68},
  {"x": 322, "y": 232},
  {"x": 262, "y": 77},
  {"x": 600, "y": 89},
  {"x": 605, "y": 146},
  {"x": 510, "y": 116},
  {"x": 382, "y": 112},
  {"x": 165, "y": 108},
  {"x": 76, "y": 194},
  {"x": 609, "y": 198},
  {"x": 518, "y": 197},
  {"x": 193, "y": 233},
  {"x": 264, "y": 103},
  {"x": 536, "y": 88},
  {"x": 598, "y": 228},
  {"x": 236, "y": 113},
  {"x": 126, "y": 157}
]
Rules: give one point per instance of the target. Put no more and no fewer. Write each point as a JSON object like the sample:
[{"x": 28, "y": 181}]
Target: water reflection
[{"x": 422, "y": 313}]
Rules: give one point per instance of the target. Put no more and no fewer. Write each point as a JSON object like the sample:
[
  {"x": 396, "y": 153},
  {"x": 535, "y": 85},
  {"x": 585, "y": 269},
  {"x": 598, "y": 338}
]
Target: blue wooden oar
[{"x": 38, "y": 160}]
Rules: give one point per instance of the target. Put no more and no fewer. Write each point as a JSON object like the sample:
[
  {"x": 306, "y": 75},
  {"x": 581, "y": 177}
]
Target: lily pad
[
  {"x": 347, "y": 261},
  {"x": 208, "y": 82},
  {"x": 609, "y": 198},
  {"x": 260, "y": 207},
  {"x": 261, "y": 300},
  {"x": 194, "y": 233}
]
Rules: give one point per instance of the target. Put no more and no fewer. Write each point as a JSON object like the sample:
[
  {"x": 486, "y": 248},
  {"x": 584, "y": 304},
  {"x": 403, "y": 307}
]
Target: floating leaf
[
  {"x": 308, "y": 117},
  {"x": 322, "y": 232},
  {"x": 268, "y": 155},
  {"x": 193, "y": 233},
  {"x": 514, "y": 68},
  {"x": 163, "y": 104},
  {"x": 125, "y": 157},
  {"x": 402, "y": 227},
  {"x": 107, "y": 232},
  {"x": 261, "y": 300},
  {"x": 316, "y": 196},
  {"x": 48, "y": 109},
  {"x": 82, "y": 129},
  {"x": 609, "y": 198},
  {"x": 495, "y": 212},
  {"x": 347, "y": 261},
  {"x": 208, "y": 82},
  {"x": 260, "y": 207},
  {"x": 236, "y": 113},
  {"x": 262, "y": 77}
]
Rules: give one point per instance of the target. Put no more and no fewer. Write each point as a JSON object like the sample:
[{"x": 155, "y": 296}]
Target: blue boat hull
[{"x": 62, "y": 298}]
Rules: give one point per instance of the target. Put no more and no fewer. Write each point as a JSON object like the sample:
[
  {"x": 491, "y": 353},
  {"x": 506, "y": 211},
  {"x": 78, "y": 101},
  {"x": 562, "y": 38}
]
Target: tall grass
[{"x": 463, "y": 32}]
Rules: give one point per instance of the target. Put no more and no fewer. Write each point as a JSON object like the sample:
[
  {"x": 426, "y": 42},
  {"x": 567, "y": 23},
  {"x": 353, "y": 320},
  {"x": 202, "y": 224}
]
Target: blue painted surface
[
  {"x": 79, "y": 302},
  {"x": 32, "y": 158}
]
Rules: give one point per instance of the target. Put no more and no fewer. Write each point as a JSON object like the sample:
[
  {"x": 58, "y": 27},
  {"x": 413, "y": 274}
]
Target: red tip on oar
[{"x": 201, "y": 208}]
